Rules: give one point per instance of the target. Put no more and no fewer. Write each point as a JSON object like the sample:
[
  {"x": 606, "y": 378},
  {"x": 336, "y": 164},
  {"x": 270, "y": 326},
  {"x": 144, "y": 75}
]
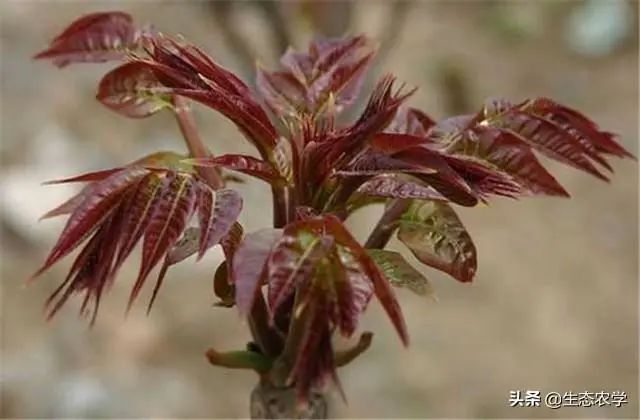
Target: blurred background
[{"x": 554, "y": 304}]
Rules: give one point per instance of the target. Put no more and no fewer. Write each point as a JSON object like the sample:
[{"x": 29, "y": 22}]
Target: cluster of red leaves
[
  {"x": 316, "y": 275},
  {"x": 332, "y": 278},
  {"x": 153, "y": 198},
  {"x": 329, "y": 75}
]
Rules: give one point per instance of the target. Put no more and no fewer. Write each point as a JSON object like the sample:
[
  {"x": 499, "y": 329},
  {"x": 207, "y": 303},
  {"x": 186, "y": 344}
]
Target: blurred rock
[{"x": 53, "y": 154}]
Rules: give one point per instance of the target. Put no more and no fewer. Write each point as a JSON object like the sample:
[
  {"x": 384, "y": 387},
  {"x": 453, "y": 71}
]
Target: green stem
[{"x": 243, "y": 359}]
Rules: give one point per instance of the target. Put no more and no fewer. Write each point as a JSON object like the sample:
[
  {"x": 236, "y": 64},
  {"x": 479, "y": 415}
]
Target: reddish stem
[
  {"x": 262, "y": 334},
  {"x": 387, "y": 224},
  {"x": 196, "y": 147},
  {"x": 281, "y": 207}
]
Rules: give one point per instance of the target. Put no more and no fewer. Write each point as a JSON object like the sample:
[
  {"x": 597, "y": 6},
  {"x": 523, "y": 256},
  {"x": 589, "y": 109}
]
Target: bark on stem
[
  {"x": 387, "y": 224},
  {"x": 272, "y": 402}
]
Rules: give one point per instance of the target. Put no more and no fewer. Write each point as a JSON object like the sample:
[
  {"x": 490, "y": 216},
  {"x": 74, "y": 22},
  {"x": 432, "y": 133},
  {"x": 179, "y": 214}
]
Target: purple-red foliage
[{"x": 316, "y": 276}]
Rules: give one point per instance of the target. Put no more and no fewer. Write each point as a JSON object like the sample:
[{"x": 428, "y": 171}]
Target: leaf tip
[
  {"x": 404, "y": 337},
  {"x": 39, "y": 272},
  {"x": 212, "y": 356}
]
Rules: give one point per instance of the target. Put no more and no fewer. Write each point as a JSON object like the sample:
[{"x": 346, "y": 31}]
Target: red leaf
[
  {"x": 93, "y": 210},
  {"x": 246, "y": 114},
  {"x": 95, "y": 37},
  {"x": 331, "y": 52},
  {"x": 449, "y": 129},
  {"x": 70, "y": 205},
  {"x": 382, "y": 289},
  {"x": 152, "y": 197},
  {"x": 314, "y": 362},
  {"x": 391, "y": 143},
  {"x": 131, "y": 89},
  {"x": 185, "y": 70},
  {"x": 492, "y": 150},
  {"x": 321, "y": 260},
  {"x": 353, "y": 290},
  {"x": 142, "y": 207},
  {"x": 249, "y": 264},
  {"x": 220, "y": 226},
  {"x": 394, "y": 186},
  {"x": 445, "y": 180},
  {"x": 167, "y": 223},
  {"x": 411, "y": 121},
  {"x": 418, "y": 122},
  {"x": 88, "y": 177},
  {"x": 282, "y": 92},
  {"x": 349, "y": 143},
  {"x": 216, "y": 220},
  {"x": 335, "y": 90},
  {"x": 300, "y": 64},
  {"x": 241, "y": 163},
  {"x": 435, "y": 235},
  {"x": 400, "y": 273},
  {"x": 305, "y": 212},
  {"x": 375, "y": 163},
  {"x": 222, "y": 288},
  {"x": 552, "y": 140},
  {"x": 156, "y": 288},
  {"x": 185, "y": 247},
  {"x": 292, "y": 261},
  {"x": 188, "y": 245},
  {"x": 541, "y": 133},
  {"x": 382, "y": 105},
  {"x": 208, "y": 68},
  {"x": 585, "y": 130},
  {"x": 484, "y": 179},
  {"x": 509, "y": 154},
  {"x": 231, "y": 241},
  {"x": 87, "y": 274},
  {"x": 326, "y": 79}
]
